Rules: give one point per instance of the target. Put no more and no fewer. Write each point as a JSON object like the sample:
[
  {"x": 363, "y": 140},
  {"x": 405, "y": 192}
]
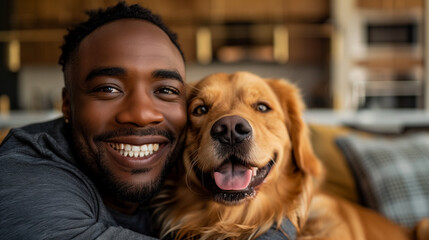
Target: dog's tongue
[{"x": 232, "y": 177}]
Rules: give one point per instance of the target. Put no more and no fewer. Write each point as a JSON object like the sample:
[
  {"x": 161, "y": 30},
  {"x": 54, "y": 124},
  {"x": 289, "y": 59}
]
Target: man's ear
[
  {"x": 65, "y": 108},
  {"x": 293, "y": 106}
]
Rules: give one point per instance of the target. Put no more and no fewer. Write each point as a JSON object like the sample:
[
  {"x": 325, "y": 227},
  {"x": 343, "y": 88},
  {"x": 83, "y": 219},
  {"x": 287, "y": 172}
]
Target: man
[{"x": 91, "y": 173}]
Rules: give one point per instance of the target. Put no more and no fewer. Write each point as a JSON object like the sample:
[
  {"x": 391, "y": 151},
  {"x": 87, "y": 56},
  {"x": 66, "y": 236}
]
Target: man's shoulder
[
  {"x": 54, "y": 126},
  {"x": 43, "y": 193},
  {"x": 39, "y": 152},
  {"x": 38, "y": 170},
  {"x": 46, "y": 140}
]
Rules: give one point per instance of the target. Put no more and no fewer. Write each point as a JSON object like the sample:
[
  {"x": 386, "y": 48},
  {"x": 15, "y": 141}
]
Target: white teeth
[
  {"x": 135, "y": 148},
  {"x": 135, "y": 151},
  {"x": 254, "y": 171}
]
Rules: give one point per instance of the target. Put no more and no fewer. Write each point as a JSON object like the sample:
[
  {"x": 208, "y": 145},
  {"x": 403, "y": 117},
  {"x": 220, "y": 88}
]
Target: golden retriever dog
[{"x": 248, "y": 165}]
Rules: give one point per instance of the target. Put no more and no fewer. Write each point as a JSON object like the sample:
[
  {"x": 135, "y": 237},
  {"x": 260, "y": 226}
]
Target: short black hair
[{"x": 100, "y": 17}]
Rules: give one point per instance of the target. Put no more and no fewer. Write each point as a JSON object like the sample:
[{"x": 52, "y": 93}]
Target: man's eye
[
  {"x": 200, "y": 110},
  {"x": 168, "y": 91},
  {"x": 107, "y": 89}
]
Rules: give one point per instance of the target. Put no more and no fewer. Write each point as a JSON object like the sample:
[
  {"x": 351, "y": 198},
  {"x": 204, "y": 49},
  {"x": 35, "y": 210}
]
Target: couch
[{"x": 386, "y": 172}]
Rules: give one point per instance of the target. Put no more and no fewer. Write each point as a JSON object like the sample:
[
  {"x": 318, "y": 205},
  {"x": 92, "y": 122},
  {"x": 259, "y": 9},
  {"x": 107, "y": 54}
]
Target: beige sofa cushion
[
  {"x": 3, "y": 133},
  {"x": 339, "y": 180}
]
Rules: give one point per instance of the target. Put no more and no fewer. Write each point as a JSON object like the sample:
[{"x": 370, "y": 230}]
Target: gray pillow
[{"x": 392, "y": 174}]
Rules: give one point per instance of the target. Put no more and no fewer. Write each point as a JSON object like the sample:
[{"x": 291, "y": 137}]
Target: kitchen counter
[
  {"x": 382, "y": 121},
  {"x": 21, "y": 118}
]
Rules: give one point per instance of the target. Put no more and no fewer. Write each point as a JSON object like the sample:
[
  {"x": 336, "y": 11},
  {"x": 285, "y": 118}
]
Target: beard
[{"x": 108, "y": 184}]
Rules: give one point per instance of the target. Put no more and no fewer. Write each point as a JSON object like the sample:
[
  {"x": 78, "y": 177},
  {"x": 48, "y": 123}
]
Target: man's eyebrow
[
  {"x": 167, "y": 74},
  {"x": 105, "y": 71}
]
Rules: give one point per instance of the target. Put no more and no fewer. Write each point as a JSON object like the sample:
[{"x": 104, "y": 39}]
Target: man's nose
[{"x": 139, "y": 109}]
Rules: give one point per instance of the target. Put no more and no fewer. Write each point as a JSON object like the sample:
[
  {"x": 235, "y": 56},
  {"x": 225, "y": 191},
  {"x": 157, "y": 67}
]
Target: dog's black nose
[{"x": 231, "y": 130}]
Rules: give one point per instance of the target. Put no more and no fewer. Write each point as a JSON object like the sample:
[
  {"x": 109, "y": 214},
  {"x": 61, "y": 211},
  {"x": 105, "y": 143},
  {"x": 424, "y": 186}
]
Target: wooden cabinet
[
  {"x": 390, "y": 4},
  {"x": 262, "y": 11},
  {"x": 183, "y": 17}
]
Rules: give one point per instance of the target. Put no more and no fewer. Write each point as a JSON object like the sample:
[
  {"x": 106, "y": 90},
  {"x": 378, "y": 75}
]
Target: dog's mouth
[{"x": 235, "y": 181}]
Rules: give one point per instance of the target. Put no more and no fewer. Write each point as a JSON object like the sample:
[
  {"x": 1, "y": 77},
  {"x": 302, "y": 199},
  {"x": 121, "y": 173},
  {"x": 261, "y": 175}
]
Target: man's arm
[{"x": 40, "y": 199}]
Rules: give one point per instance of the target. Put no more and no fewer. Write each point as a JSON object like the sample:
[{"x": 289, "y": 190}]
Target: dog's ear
[{"x": 293, "y": 106}]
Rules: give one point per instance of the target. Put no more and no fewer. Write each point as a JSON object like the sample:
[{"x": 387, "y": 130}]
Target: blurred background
[{"x": 345, "y": 55}]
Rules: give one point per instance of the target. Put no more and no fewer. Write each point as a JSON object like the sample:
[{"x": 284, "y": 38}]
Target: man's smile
[{"x": 136, "y": 151}]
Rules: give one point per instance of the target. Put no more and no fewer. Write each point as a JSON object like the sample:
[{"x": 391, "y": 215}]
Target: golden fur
[{"x": 186, "y": 207}]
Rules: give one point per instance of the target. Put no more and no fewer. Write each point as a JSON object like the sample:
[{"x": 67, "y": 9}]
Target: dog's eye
[
  {"x": 261, "y": 107},
  {"x": 200, "y": 110}
]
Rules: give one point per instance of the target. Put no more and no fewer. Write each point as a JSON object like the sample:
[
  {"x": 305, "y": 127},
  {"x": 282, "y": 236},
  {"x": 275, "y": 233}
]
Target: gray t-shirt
[{"x": 44, "y": 195}]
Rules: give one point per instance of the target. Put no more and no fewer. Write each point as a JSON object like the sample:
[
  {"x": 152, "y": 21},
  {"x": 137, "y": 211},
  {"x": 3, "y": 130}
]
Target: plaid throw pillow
[{"x": 392, "y": 174}]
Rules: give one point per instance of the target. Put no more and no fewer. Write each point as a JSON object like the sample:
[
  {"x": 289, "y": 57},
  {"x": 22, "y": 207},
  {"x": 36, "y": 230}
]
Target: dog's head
[{"x": 245, "y": 132}]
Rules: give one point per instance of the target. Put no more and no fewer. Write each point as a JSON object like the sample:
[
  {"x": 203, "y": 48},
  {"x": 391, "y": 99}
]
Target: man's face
[{"x": 127, "y": 106}]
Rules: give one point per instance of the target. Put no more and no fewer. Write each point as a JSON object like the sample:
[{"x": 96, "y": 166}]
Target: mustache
[{"x": 150, "y": 131}]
